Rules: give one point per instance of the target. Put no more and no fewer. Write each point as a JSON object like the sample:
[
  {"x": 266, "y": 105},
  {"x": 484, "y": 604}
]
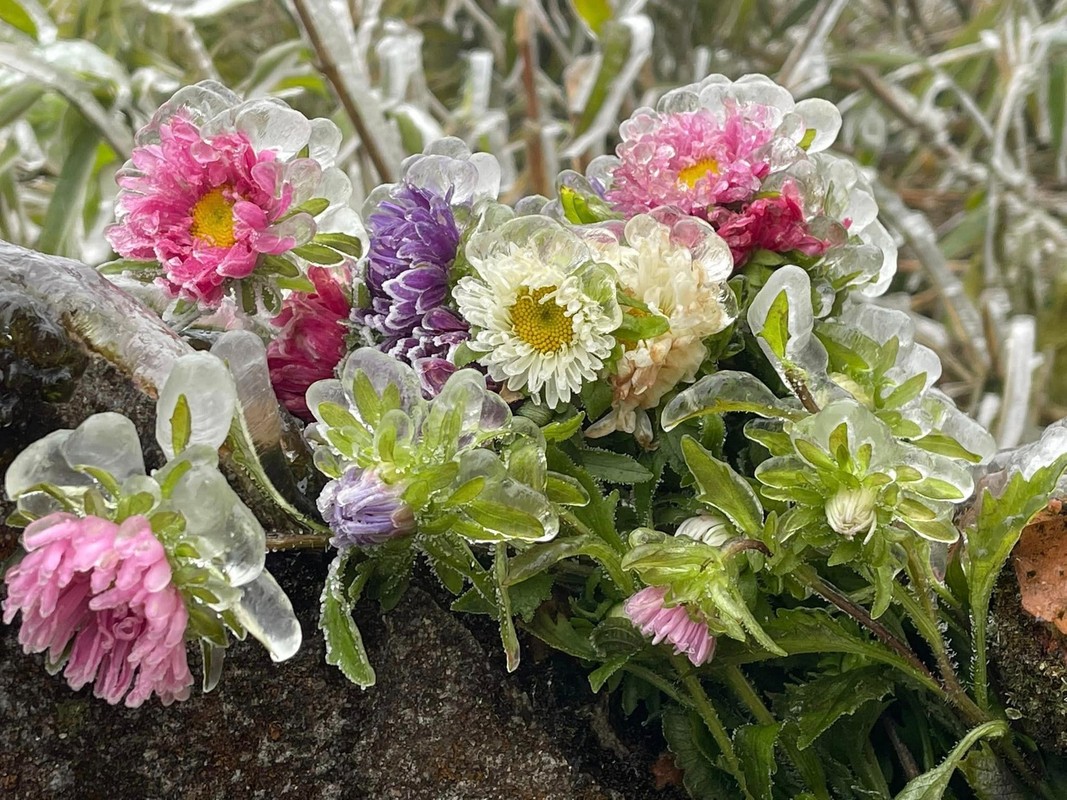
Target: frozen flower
[
  {"x": 776, "y": 223},
  {"x": 852, "y": 511},
  {"x": 361, "y": 509},
  {"x": 711, "y": 144},
  {"x": 397, "y": 458},
  {"x": 541, "y": 310},
  {"x": 677, "y": 266},
  {"x": 690, "y": 637},
  {"x": 99, "y": 598},
  {"x": 215, "y": 183},
  {"x": 689, "y": 160},
  {"x": 711, "y": 529},
  {"x": 415, "y": 227},
  {"x": 312, "y": 338}
]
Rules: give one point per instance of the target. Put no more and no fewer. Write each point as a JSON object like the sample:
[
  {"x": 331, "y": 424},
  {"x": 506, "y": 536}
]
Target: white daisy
[
  {"x": 541, "y": 312},
  {"x": 677, "y": 265}
]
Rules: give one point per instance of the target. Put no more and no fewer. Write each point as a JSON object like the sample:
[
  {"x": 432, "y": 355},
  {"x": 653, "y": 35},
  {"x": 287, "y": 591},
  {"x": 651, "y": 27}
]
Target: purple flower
[
  {"x": 362, "y": 509},
  {"x": 653, "y": 618},
  {"x": 414, "y": 239}
]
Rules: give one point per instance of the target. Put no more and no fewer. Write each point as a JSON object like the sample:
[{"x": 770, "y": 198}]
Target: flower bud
[
  {"x": 711, "y": 529},
  {"x": 852, "y": 511}
]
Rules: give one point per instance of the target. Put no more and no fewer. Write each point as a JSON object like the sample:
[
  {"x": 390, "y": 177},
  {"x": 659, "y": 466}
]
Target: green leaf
[
  {"x": 614, "y": 467},
  {"x": 121, "y": 265},
  {"x": 599, "y": 676},
  {"x": 451, "y": 558},
  {"x": 810, "y": 630},
  {"x": 68, "y": 197},
  {"x": 635, "y": 328},
  {"x": 342, "y": 242},
  {"x": 539, "y": 557},
  {"x": 724, "y": 489},
  {"x": 818, "y": 704},
  {"x": 594, "y": 13},
  {"x": 776, "y": 326},
  {"x": 725, "y": 392},
  {"x": 298, "y": 284},
  {"x": 755, "y": 750},
  {"x": 562, "y": 430},
  {"x": 499, "y": 518},
  {"x": 277, "y": 265},
  {"x": 527, "y": 596},
  {"x": 15, "y": 15},
  {"x": 989, "y": 776},
  {"x": 560, "y": 634},
  {"x": 344, "y": 644},
  {"x": 565, "y": 490},
  {"x": 695, "y": 752},
  {"x": 318, "y": 254},
  {"x": 906, "y": 392},
  {"x": 933, "y": 784},
  {"x": 314, "y": 207},
  {"x": 181, "y": 425},
  {"x": 508, "y": 636},
  {"x": 596, "y": 397}
]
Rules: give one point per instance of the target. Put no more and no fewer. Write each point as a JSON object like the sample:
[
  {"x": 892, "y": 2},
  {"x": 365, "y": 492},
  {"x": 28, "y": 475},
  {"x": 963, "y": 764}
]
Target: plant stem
[
  {"x": 329, "y": 67},
  {"x": 525, "y": 36},
  {"x": 807, "y": 765},
  {"x": 278, "y": 541},
  {"x": 926, "y": 620},
  {"x": 810, "y": 578},
  {"x": 710, "y": 716}
]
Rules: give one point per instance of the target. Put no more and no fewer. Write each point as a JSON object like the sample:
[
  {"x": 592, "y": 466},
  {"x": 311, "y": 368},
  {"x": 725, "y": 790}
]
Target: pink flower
[
  {"x": 774, "y": 223},
  {"x": 105, "y": 591},
  {"x": 689, "y": 636},
  {"x": 312, "y": 339},
  {"x": 690, "y": 159},
  {"x": 202, "y": 207}
]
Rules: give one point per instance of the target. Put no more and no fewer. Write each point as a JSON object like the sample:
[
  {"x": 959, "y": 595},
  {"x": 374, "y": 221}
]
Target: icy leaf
[
  {"x": 933, "y": 784},
  {"x": 266, "y": 612},
  {"x": 43, "y": 462},
  {"x": 614, "y": 467},
  {"x": 344, "y": 644},
  {"x": 108, "y": 442},
  {"x": 725, "y": 392},
  {"x": 209, "y": 390},
  {"x": 723, "y": 489}
]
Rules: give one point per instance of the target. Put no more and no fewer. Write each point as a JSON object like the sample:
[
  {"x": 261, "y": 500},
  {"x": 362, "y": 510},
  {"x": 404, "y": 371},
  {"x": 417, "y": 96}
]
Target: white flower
[
  {"x": 677, "y": 265},
  {"x": 852, "y": 511},
  {"x": 541, "y": 312},
  {"x": 711, "y": 529}
]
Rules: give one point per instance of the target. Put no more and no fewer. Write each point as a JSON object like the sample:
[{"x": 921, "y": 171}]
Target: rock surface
[{"x": 443, "y": 723}]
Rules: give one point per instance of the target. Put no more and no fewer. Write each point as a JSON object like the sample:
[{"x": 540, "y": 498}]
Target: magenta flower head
[
  {"x": 415, "y": 227},
  {"x": 99, "y": 598},
  {"x": 711, "y": 144},
  {"x": 648, "y": 611},
  {"x": 312, "y": 338},
  {"x": 215, "y": 184},
  {"x": 361, "y": 509}
]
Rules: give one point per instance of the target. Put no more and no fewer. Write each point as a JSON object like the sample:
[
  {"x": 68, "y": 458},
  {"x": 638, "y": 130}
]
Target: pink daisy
[
  {"x": 690, "y": 159},
  {"x": 653, "y": 618},
  {"x": 776, "y": 223},
  {"x": 100, "y": 597},
  {"x": 202, "y": 207},
  {"x": 312, "y": 339}
]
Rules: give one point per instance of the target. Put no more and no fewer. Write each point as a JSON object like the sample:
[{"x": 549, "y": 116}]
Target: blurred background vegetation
[{"x": 957, "y": 108}]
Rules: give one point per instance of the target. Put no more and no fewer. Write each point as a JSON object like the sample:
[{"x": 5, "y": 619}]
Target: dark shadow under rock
[{"x": 444, "y": 722}]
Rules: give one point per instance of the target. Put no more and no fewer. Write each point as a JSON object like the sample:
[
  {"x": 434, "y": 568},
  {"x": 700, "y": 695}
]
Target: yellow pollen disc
[
  {"x": 693, "y": 173},
  {"x": 213, "y": 219},
  {"x": 542, "y": 324}
]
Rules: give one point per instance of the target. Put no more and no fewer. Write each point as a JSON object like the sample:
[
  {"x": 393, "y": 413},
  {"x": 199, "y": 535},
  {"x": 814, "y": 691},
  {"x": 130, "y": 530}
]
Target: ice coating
[{"x": 209, "y": 390}]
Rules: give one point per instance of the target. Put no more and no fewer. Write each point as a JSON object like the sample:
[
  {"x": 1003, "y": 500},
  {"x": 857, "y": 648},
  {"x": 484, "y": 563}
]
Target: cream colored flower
[{"x": 677, "y": 266}]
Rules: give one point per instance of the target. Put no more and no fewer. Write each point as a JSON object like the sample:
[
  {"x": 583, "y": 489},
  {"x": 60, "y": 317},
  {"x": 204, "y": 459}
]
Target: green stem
[
  {"x": 296, "y": 541},
  {"x": 710, "y": 716},
  {"x": 806, "y": 763},
  {"x": 925, "y": 618}
]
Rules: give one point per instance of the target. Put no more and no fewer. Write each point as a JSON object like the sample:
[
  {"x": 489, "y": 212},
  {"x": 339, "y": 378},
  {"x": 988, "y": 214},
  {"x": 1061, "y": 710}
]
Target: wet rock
[{"x": 445, "y": 722}]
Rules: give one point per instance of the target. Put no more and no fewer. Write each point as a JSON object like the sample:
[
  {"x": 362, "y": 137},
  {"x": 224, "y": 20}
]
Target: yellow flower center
[
  {"x": 694, "y": 172},
  {"x": 213, "y": 219},
  {"x": 542, "y": 324}
]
